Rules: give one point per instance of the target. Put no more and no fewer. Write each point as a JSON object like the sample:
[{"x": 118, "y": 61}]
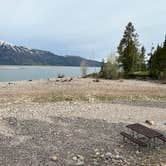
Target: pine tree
[
  {"x": 128, "y": 49},
  {"x": 142, "y": 64},
  {"x": 164, "y": 42},
  {"x": 158, "y": 62}
]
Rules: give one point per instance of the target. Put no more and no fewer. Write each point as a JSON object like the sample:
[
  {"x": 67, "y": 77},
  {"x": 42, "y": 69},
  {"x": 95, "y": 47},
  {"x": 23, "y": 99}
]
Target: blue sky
[{"x": 88, "y": 28}]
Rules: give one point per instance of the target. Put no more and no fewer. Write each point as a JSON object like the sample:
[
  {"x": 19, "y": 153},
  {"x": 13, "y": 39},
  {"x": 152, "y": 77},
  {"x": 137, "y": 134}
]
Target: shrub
[{"x": 110, "y": 69}]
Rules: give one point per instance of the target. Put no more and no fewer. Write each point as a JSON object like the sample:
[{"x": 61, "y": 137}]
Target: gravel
[{"x": 74, "y": 132}]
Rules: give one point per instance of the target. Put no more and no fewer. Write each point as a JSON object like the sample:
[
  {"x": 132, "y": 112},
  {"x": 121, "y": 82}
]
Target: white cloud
[{"x": 77, "y": 26}]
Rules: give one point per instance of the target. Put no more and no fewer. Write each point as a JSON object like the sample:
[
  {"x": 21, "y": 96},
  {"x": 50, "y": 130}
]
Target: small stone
[
  {"x": 162, "y": 164},
  {"x": 108, "y": 154},
  {"x": 102, "y": 155},
  {"x": 149, "y": 122},
  {"x": 137, "y": 152},
  {"x": 97, "y": 153},
  {"x": 95, "y": 163},
  {"x": 54, "y": 158},
  {"x": 116, "y": 152},
  {"x": 12, "y": 121},
  {"x": 80, "y": 163},
  {"x": 96, "y": 150},
  {"x": 75, "y": 158},
  {"x": 80, "y": 157},
  {"x": 118, "y": 157}
]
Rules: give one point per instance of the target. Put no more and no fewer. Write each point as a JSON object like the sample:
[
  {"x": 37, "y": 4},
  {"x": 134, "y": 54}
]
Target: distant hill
[{"x": 18, "y": 55}]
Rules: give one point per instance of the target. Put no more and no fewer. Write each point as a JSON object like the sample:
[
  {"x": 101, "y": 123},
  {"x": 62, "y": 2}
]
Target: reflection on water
[{"x": 15, "y": 73}]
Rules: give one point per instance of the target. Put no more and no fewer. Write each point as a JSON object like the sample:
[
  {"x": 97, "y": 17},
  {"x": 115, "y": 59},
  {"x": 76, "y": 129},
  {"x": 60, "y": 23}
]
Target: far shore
[{"x": 29, "y": 66}]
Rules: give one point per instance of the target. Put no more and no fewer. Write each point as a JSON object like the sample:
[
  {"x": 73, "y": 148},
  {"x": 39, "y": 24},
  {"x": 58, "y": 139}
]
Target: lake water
[{"x": 15, "y": 73}]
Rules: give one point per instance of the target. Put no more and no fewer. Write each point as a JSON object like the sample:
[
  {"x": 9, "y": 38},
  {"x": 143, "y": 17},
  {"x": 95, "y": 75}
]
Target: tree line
[{"x": 132, "y": 58}]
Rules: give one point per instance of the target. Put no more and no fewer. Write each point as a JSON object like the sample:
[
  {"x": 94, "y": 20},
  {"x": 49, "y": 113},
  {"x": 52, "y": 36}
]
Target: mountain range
[{"x": 18, "y": 55}]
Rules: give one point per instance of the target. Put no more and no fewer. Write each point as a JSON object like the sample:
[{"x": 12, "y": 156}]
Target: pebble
[
  {"x": 97, "y": 153},
  {"x": 75, "y": 158},
  {"x": 95, "y": 163},
  {"x": 54, "y": 158},
  {"x": 149, "y": 122},
  {"x": 80, "y": 157},
  {"x": 96, "y": 150},
  {"x": 108, "y": 154},
  {"x": 118, "y": 157},
  {"x": 12, "y": 121},
  {"x": 80, "y": 163}
]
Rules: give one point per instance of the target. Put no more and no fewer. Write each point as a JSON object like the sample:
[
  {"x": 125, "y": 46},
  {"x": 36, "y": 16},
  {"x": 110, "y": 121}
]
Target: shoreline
[
  {"x": 63, "y": 119},
  {"x": 37, "y": 66}
]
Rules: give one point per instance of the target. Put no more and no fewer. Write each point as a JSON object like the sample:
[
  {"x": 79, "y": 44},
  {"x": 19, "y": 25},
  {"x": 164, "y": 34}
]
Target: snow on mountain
[
  {"x": 11, "y": 54},
  {"x": 15, "y": 48},
  {"x": 4, "y": 43}
]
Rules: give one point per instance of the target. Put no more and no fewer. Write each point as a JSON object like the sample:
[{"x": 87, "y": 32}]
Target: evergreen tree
[
  {"x": 158, "y": 62},
  {"x": 165, "y": 42},
  {"x": 128, "y": 50},
  {"x": 142, "y": 64}
]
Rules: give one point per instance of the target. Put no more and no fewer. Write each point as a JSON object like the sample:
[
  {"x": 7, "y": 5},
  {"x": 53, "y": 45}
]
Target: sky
[{"x": 87, "y": 28}]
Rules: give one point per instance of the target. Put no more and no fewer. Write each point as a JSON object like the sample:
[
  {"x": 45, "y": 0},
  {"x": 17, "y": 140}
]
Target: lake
[{"x": 16, "y": 73}]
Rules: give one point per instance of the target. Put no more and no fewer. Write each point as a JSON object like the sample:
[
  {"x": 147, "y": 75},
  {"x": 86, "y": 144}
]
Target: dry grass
[
  {"x": 105, "y": 90},
  {"x": 82, "y": 89}
]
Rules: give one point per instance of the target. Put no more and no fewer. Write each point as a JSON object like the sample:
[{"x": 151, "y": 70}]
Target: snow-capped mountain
[
  {"x": 11, "y": 54},
  {"x": 4, "y": 44}
]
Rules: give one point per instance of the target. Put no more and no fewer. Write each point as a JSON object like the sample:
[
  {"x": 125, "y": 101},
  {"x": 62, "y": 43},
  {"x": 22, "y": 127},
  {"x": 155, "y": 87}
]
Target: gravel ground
[{"x": 69, "y": 133}]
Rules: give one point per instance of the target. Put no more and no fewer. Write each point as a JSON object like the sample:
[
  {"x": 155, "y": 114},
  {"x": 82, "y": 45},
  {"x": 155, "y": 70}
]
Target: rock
[
  {"x": 95, "y": 163},
  {"x": 108, "y": 154},
  {"x": 102, "y": 155},
  {"x": 96, "y": 80},
  {"x": 12, "y": 121},
  {"x": 70, "y": 79},
  {"x": 137, "y": 152},
  {"x": 118, "y": 157},
  {"x": 121, "y": 80},
  {"x": 79, "y": 160},
  {"x": 162, "y": 164},
  {"x": 97, "y": 153},
  {"x": 116, "y": 152},
  {"x": 80, "y": 163},
  {"x": 96, "y": 150},
  {"x": 149, "y": 122},
  {"x": 54, "y": 158},
  {"x": 10, "y": 83},
  {"x": 75, "y": 158},
  {"x": 80, "y": 157}
]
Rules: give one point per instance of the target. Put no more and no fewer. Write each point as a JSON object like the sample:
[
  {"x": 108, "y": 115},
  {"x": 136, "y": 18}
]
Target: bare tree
[{"x": 84, "y": 68}]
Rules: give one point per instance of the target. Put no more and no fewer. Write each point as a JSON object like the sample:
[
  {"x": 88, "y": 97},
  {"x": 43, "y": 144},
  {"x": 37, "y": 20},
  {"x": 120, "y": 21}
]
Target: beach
[{"x": 76, "y": 121}]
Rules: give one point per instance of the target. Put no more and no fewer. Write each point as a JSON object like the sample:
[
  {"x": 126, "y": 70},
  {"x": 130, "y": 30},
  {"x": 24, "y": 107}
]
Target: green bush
[{"x": 110, "y": 69}]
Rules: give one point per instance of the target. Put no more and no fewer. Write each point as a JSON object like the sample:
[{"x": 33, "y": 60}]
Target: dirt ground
[{"x": 78, "y": 122}]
